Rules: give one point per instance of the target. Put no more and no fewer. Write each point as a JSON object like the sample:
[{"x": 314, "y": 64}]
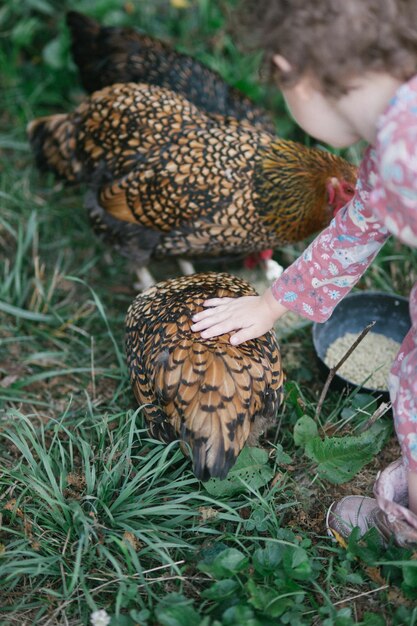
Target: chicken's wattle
[{"x": 339, "y": 193}]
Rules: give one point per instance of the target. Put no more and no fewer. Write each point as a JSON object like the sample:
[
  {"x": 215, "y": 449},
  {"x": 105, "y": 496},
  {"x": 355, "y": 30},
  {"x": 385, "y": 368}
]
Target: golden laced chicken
[
  {"x": 211, "y": 395},
  {"x": 106, "y": 55},
  {"x": 167, "y": 180}
]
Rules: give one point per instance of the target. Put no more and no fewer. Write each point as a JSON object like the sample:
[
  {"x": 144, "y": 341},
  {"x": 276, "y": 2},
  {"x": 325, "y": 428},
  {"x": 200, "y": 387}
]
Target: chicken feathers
[
  {"x": 106, "y": 55},
  {"x": 207, "y": 393},
  {"x": 165, "y": 179}
]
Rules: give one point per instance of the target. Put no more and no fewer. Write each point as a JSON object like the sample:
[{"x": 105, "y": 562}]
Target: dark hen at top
[
  {"x": 106, "y": 55},
  {"x": 166, "y": 180},
  {"x": 211, "y": 395}
]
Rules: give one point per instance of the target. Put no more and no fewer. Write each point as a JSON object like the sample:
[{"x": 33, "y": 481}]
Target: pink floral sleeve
[
  {"x": 394, "y": 197},
  {"x": 333, "y": 263}
]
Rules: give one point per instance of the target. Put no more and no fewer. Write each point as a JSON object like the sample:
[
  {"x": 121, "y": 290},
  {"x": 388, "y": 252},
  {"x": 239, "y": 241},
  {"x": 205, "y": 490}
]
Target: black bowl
[{"x": 351, "y": 315}]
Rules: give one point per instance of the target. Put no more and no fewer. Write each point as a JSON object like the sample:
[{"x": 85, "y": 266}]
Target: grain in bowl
[{"x": 369, "y": 363}]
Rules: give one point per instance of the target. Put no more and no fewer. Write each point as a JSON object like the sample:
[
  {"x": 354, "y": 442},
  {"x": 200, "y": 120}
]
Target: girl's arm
[{"x": 395, "y": 195}]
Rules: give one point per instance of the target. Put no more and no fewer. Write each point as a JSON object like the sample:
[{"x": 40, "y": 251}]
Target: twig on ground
[
  {"x": 360, "y": 595},
  {"x": 350, "y": 598},
  {"x": 380, "y": 411},
  {"x": 334, "y": 369}
]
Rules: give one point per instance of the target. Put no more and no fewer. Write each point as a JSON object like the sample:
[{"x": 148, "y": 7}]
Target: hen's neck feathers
[{"x": 290, "y": 183}]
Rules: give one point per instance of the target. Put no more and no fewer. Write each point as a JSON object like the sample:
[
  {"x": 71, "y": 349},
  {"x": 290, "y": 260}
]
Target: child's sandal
[{"x": 387, "y": 512}]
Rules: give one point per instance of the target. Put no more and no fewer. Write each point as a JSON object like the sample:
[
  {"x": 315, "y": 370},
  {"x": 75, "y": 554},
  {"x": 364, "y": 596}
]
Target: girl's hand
[{"x": 249, "y": 316}]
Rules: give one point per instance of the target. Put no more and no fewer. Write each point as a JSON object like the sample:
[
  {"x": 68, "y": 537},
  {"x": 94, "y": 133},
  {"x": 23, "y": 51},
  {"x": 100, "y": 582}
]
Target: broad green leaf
[
  {"x": 251, "y": 467},
  {"x": 269, "y": 601},
  {"x": 281, "y": 457},
  {"x": 364, "y": 400},
  {"x": 53, "y": 54},
  {"x": 140, "y": 616},
  {"x": 41, "y": 6},
  {"x": 228, "y": 562},
  {"x": 377, "y": 434},
  {"x": 354, "y": 578},
  {"x": 360, "y": 401},
  {"x": 368, "y": 547},
  {"x": 221, "y": 589},
  {"x": 266, "y": 560},
  {"x": 343, "y": 617},
  {"x": 371, "y": 619},
  {"x": 239, "y": 615},
  {"x": 181, "y": 615},
  {"x": 210, "y": 552},
  {"x": 296, "y": 563},
  {"x": 305, "y": 429},
  {"x": 258, "y": 520},
  {"x": 122, "y": 620},
  {"x": 176, "y": 610},
  {"x": 25, "y": 31},
  {"x": 340, "y": 458},
  {"x": 410, "y": 574}
]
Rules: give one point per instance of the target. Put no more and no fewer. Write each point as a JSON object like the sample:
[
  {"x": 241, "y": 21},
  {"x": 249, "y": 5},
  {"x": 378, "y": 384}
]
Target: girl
[{"x": 348, "y": 71}]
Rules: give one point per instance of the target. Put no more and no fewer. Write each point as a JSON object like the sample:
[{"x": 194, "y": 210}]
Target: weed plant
[{"x": 96, "y": 515}]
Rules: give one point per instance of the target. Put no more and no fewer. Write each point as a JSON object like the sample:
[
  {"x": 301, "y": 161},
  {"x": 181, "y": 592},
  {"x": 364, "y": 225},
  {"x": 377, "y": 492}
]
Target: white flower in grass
[{"x": 100, "y": 618}]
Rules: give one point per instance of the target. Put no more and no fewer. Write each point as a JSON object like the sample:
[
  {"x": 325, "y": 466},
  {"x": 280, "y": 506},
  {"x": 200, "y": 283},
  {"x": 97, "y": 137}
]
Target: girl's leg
[
  {"x": 412, "y": 491},
  {"x": 403, "y": 392},
  {"x": 390, "y": 512}
]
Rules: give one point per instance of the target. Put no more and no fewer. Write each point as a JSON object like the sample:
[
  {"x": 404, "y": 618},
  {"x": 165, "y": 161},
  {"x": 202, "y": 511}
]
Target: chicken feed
[{"x": 370, "y": 362}]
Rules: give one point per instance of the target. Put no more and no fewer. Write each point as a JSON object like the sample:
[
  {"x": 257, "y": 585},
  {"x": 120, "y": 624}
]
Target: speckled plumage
[
  {"x": 165, "y": 179},
  {"x": 108, "y": 55},
  {"x": 205, "y": 392}
]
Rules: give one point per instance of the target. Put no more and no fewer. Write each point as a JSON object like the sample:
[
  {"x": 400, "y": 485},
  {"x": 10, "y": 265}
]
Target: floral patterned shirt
[{"x": 385, "y": 202}]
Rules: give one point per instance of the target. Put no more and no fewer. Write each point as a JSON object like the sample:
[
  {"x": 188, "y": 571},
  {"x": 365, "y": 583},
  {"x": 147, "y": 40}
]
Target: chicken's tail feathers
[
  {"x": 220, "y": 465},
  {"x": 53, "y": 144},
  {"x": 216, "y": 394}
]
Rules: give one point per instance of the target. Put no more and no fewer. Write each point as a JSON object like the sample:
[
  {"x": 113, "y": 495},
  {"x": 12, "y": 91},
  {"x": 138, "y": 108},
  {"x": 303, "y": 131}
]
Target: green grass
[{"x": 94, "y": 514}]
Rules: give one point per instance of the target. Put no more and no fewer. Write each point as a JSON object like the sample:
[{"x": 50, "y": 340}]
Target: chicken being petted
[
  {"x": 167, "y": 180},
  {"x": 208, "y": 394},
  {"x": 106, "y": 55}
]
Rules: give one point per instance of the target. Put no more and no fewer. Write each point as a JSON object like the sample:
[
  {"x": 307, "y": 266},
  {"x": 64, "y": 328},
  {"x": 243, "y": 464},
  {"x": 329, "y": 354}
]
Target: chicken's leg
[
  {"x": 145, "y": 279},
  {"x": 186, "y": 267}
]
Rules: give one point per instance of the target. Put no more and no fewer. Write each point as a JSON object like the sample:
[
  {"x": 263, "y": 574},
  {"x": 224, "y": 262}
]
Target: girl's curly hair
[{"x": 334, "y": 40}]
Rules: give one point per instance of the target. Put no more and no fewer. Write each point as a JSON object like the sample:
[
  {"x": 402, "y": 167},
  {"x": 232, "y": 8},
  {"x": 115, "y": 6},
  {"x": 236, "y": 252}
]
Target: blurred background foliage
[{"x": 38, "y": 71}]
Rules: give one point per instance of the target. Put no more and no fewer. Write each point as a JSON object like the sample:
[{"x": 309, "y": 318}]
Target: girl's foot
[{"x": 388, "y": 512}]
